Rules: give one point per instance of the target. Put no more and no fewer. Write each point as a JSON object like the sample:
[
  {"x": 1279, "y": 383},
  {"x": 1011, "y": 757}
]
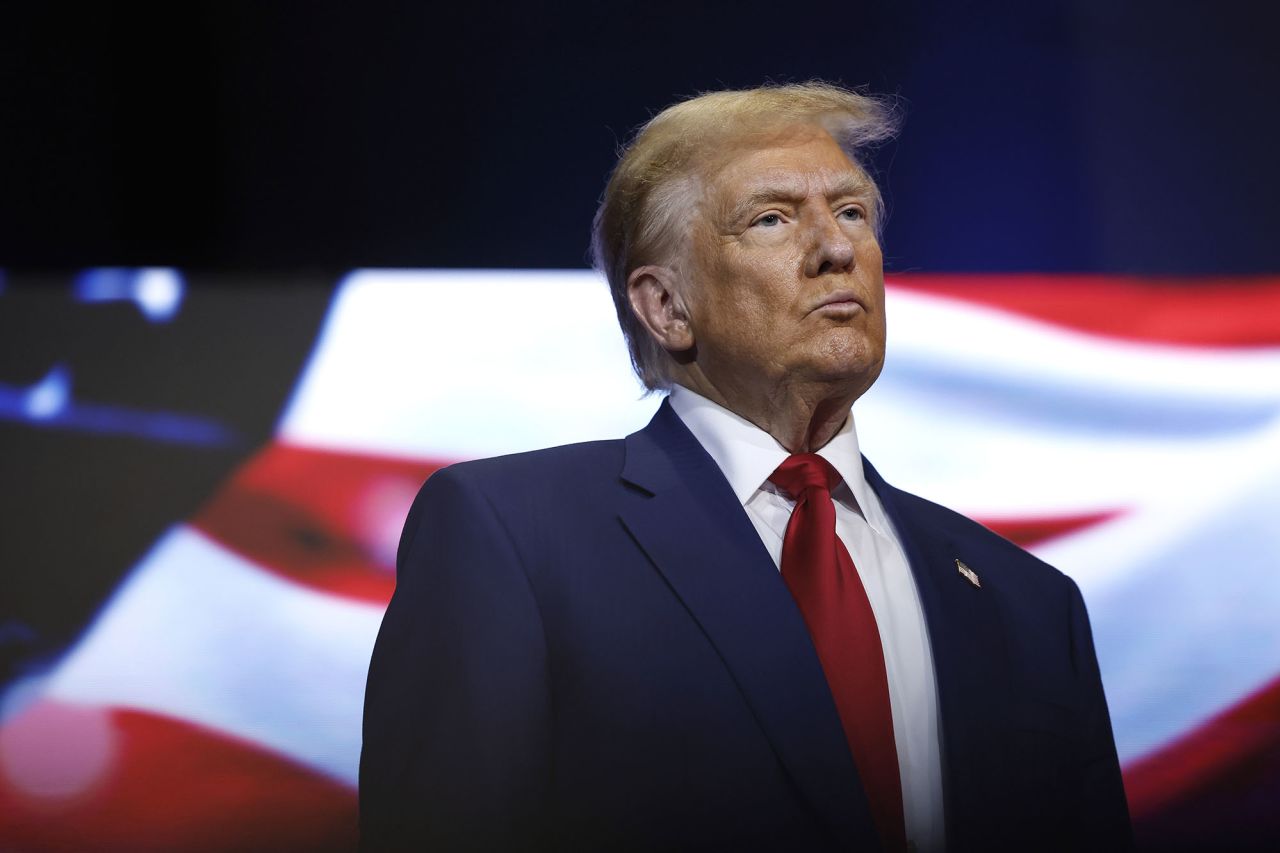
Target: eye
[
  {"x": 769, "y": 220},
  {"x": 853, "y": 214}
]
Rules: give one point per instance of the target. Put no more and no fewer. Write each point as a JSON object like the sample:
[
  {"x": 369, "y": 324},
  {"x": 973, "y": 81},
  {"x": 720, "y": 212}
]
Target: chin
[
  {"x": 847, "y": 377},
  {"x": 854, "y": 363}
]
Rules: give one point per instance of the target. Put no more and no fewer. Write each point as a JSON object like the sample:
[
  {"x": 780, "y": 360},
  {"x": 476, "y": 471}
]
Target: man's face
[{"x": 787, "y": 278}]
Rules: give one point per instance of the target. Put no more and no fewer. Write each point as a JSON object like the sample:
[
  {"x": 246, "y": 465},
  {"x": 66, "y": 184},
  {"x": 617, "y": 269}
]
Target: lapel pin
[{"x": 969, "y": 574}]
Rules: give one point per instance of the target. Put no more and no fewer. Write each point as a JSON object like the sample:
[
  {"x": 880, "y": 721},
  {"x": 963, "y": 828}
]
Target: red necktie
[{"x": 820, "y": 573}]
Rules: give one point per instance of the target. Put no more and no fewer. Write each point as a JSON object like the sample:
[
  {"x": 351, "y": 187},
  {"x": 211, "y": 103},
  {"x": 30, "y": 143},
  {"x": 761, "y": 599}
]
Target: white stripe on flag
[
  {"x": 1183, "y": 600},
  {"x": 199, "y": 634},
  {"x": 465, "y": 364},
  {"x": 997, "y": 415}
]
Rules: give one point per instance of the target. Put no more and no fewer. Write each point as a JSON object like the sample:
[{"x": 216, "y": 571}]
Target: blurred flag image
[{"x": 206, "y": 692}]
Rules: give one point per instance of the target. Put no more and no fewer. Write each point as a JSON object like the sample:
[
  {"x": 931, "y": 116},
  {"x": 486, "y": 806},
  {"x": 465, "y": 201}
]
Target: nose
[{"x": 832, "y": 250}]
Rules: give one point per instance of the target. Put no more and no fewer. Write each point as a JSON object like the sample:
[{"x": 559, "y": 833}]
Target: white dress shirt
[{"x": 747, "y": 456}]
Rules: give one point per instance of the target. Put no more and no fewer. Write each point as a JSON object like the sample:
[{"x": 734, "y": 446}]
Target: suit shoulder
[
  {"x": 547, "y": 460},
  {"x": 549, "y": 464},
  {"x": 524, "y": 490}
]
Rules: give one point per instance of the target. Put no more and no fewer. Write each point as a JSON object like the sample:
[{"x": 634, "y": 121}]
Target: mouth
[{"x": 840, "y": 301}]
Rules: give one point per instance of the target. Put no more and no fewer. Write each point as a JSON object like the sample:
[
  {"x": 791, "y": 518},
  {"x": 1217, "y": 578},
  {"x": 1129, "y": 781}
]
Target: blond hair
[{"x": 650, "y": 194}]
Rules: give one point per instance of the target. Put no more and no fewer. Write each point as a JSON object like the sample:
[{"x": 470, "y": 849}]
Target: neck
[{"x": 802, "y": 417}]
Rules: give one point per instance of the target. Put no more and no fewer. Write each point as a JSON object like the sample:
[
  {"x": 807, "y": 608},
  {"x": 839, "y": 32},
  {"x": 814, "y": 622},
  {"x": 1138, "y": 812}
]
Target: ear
[{"x": 656, "y": 301}]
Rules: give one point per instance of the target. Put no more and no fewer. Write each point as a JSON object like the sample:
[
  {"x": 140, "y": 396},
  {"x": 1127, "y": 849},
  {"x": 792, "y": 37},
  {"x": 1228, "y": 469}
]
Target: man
[{"x": 727, "y": 632}]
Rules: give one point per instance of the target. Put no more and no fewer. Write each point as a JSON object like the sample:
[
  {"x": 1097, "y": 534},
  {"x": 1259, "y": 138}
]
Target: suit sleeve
[
  {"x": 457, "y": 712},
  {"x": 1102, "y": 822}
]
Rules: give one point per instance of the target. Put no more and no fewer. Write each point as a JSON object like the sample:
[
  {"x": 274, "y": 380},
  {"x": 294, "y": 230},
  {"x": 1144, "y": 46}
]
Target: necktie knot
[{"x": 802, "y": 471}]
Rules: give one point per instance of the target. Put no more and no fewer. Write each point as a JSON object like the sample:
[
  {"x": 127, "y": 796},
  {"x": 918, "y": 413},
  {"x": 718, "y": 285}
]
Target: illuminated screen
[{"x": 204, "y": 482}]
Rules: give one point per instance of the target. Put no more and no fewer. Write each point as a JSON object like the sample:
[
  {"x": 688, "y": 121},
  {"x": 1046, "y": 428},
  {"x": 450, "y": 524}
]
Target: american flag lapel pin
[{"x": 969, "y": 574}]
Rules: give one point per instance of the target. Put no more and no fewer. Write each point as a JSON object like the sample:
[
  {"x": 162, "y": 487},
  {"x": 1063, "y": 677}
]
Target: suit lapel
[
  {"x": 970, "y": 658},
  {"x": 697, "y": 535}
]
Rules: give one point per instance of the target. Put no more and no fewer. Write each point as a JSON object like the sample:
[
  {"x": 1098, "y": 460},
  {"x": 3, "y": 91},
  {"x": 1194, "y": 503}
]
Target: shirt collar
[{"x": 747, "y": 455}]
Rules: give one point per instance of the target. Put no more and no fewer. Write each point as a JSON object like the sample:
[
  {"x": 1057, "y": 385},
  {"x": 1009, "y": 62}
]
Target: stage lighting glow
[{"x": 157, "y": 291}]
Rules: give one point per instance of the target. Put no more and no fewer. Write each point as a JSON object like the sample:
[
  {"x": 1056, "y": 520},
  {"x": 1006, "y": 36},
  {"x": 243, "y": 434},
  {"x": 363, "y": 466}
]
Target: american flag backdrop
[{"x": 207, "y": 693}]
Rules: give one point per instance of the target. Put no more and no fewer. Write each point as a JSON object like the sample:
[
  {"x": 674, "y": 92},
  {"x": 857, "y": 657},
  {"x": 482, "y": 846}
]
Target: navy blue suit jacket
[{"x": 589, "y": 648}]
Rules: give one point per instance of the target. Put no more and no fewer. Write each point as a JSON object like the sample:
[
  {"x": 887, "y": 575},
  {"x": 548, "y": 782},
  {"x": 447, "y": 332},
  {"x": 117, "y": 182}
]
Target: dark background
[{"x": 1056, "y": 135}]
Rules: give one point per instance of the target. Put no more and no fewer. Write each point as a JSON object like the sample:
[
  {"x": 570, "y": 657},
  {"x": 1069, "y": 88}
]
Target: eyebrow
[{"x": 771, "y": 193}]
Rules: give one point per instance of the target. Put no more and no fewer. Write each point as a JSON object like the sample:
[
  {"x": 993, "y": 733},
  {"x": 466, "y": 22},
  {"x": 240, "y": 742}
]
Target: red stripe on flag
[
  {"x": 85, "y": 778},
  {"x": 1033, "y": 531},
  {"x": 1216, "y": 787},
  {"x": 1222, "y": 751},
  {"x": 326, "y": 519},
  {"x": 1229, "y": 312},
  {"x": 331, "y": 520}
]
